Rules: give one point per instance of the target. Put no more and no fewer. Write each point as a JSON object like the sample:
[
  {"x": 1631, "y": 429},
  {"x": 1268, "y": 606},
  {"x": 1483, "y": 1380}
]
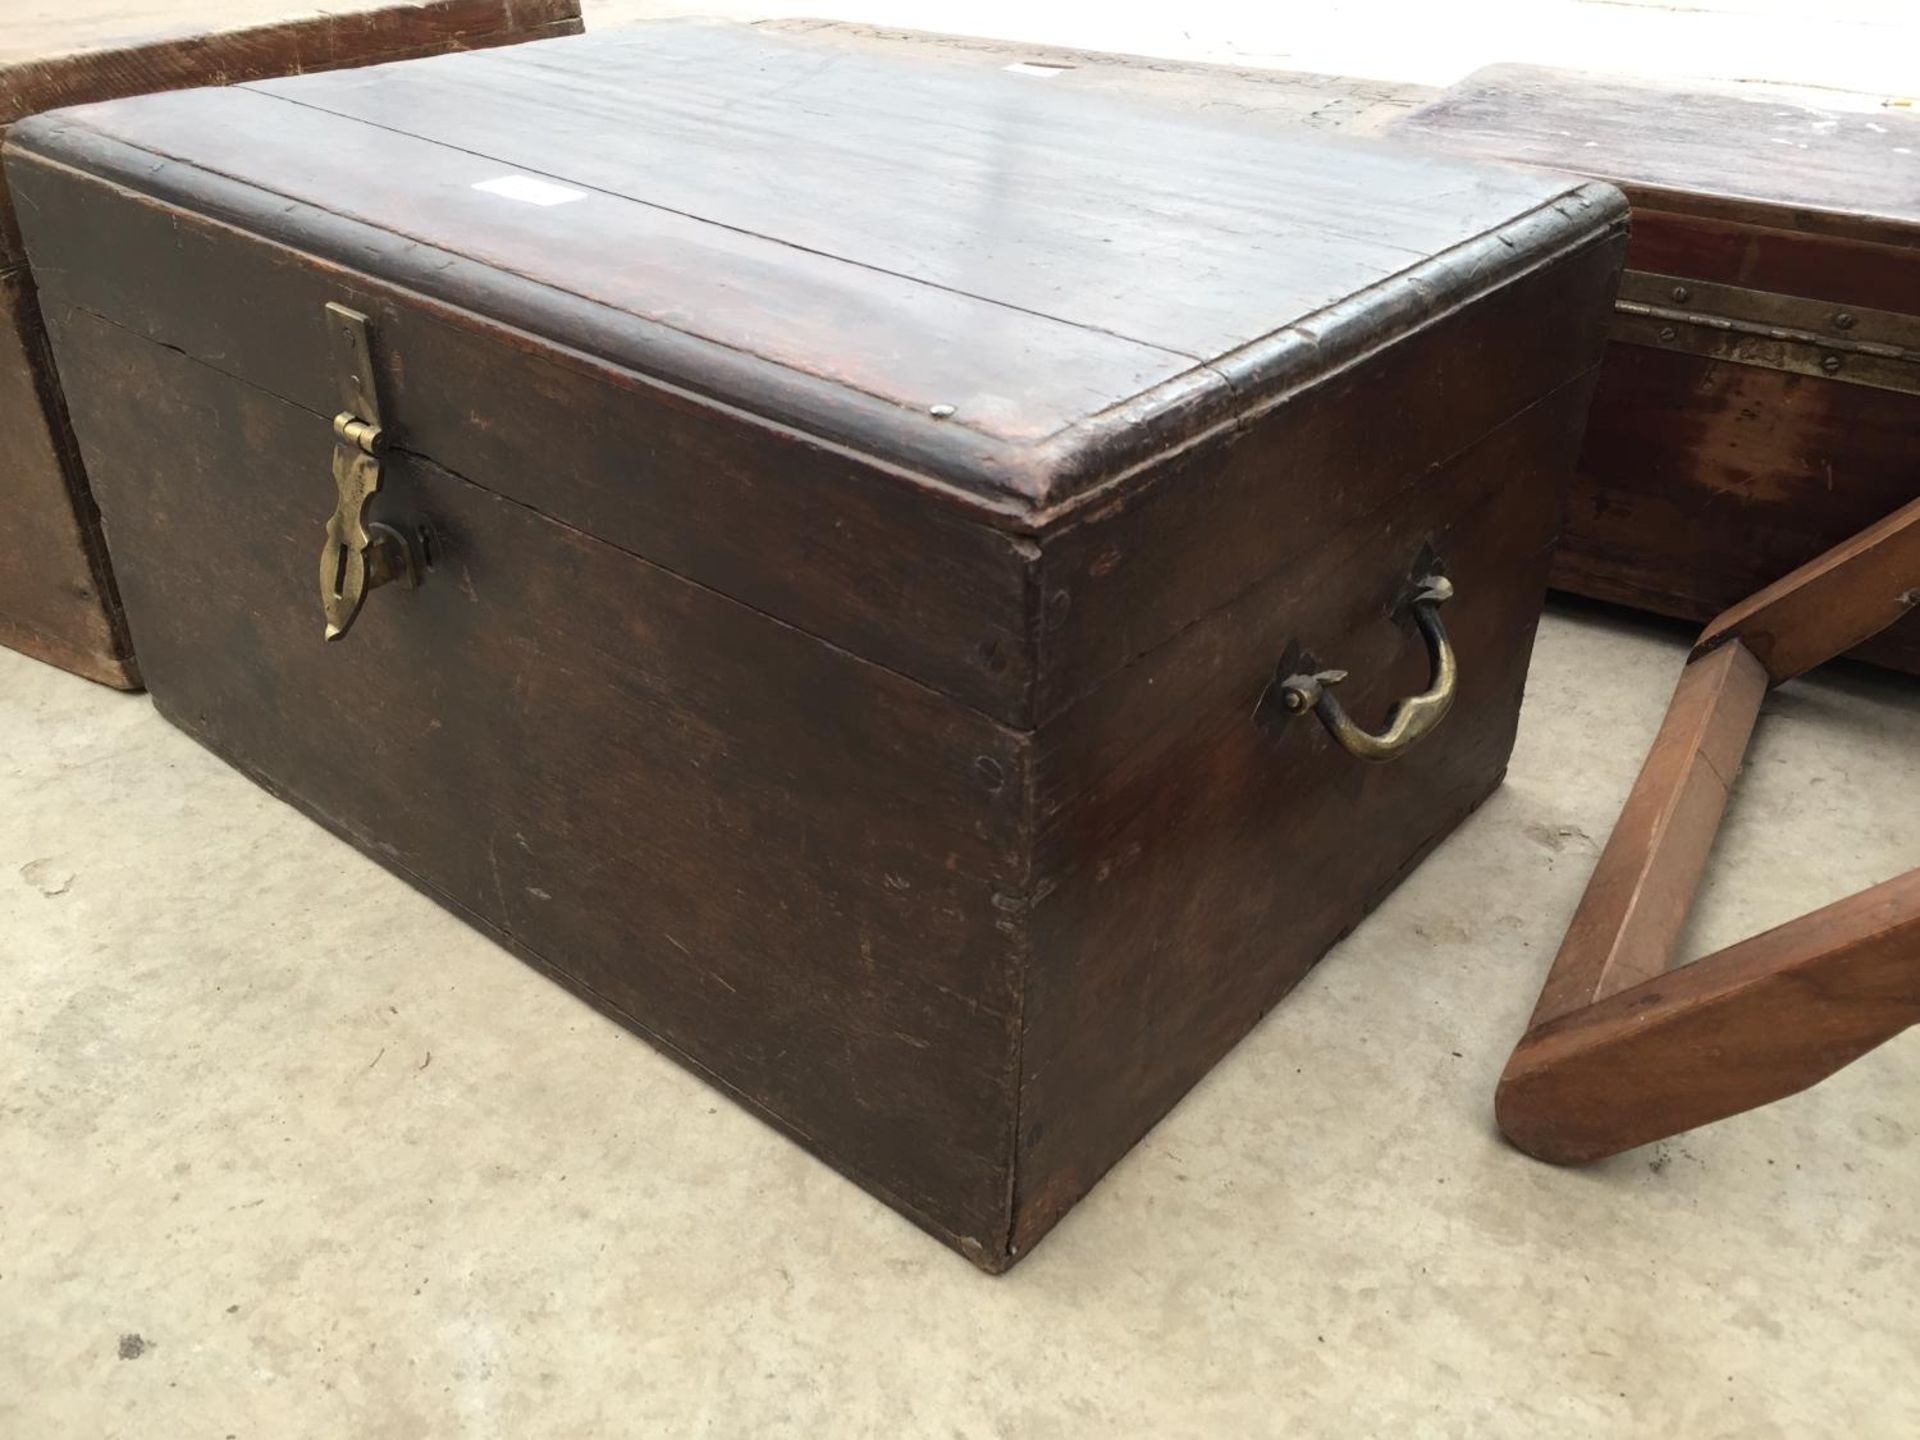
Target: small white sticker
[
  {"x": 530, "y": 191},
  {"x": 1022, "y": 67}
]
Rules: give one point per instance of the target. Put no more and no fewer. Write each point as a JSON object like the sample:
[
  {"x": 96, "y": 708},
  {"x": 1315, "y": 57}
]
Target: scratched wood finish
[
  {"x": 863, "y": 758},
  {"x": 1745, "y": 1026},
  {"x": 1703, "y": 481},
  {"x": 57, "y": 596}
]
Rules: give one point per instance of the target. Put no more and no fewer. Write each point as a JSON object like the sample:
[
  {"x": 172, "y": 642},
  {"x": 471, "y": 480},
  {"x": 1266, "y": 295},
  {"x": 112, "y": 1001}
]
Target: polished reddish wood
[
  {"x": 1741, "y": 1028},
  {"x": 1703, "y": 480},
  {"x": 58, "y": 600},
  {"x": 1636, "y": 904},
  {"x": 1621, "y": 1050},
  {"x": 894, "y": 768}
]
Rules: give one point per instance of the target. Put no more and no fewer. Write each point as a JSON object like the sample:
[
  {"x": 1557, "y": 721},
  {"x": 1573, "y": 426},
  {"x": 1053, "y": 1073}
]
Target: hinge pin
[{"x": 371, "y": 439}]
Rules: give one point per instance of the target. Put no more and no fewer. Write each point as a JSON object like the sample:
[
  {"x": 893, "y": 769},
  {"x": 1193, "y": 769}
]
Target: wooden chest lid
[
  {"x": 1012, "y": 290},
  {"x": 1848, "y": 166}
]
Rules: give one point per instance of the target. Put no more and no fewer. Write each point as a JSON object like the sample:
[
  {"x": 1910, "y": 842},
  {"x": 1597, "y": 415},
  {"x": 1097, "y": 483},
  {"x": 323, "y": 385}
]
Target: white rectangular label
[
  {"x": 529, "y": 191},
  {"x": 1027, "y": 67}
]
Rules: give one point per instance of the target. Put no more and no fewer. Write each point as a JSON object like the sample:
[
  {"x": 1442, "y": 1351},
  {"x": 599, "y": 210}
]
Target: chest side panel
[
  {"x": 1011, "y": 289},
  {"x": 1260, "y": 496},
  {"x": 1705, "y": 479},
  {"x": 777, "y": 861},
  {"x": 1193, "y": 863}
]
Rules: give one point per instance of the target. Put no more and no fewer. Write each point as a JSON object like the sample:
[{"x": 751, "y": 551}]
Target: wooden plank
[
  {"x": 1831, "y": 604},
  {"x": 1743, "y": 1027},
  {"x": 1009, "y": 373},
  {"x": 57, "y": 598},
  {"x": 1730, "y": 153},
  {"x": 1163, "y": 226},
  {"x": 1844, "y": 269},
  {"x": 1635, "y": 906}
]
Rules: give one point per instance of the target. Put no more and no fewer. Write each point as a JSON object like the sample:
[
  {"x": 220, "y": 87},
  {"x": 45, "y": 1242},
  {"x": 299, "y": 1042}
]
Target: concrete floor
[{"x": 289, "y": 1151}]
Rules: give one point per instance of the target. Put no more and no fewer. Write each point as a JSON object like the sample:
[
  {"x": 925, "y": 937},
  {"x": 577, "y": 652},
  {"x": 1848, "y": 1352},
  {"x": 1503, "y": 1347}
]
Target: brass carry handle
[{"x": 1409, "y": 720}]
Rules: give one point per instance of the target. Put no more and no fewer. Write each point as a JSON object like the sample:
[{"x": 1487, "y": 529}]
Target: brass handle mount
[{"x": 1299, "y": 686}]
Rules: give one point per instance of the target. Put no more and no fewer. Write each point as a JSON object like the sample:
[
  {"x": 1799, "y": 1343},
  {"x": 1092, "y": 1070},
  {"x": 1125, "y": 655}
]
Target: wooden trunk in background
[
  {"x": 1719, "y": 458},
  {"x": 862, "y": 507},
  {"x": 58, "y": 600}
]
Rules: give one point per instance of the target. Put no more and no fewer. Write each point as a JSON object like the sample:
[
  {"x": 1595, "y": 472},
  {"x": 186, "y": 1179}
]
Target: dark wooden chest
[
  {"x": 1761, "y": 399},
  {"x": 57, "y": 596},
  {"x": 860, "y": 513}
]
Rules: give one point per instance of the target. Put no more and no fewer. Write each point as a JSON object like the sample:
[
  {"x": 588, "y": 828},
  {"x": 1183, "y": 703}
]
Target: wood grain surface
[
  {"x": 1635, "y": 905},
  {"x": 1624, "y": 1048},
  {"x": 872, "y": 242},
  {"x": 1191, "y": 867},
  {"x": 896, "y": 771},
  {"x": 57, "y": 601},
  {"x": 777, "y": 860}
]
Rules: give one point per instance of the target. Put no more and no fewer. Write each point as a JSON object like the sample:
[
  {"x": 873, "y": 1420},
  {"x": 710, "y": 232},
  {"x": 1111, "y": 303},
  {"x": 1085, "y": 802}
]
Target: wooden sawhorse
[{"x": 1622, "y": 1050}]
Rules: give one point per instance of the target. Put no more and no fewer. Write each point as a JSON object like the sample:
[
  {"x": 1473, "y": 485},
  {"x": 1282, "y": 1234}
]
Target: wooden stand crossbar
[{"x": 1623, "y": 1050}]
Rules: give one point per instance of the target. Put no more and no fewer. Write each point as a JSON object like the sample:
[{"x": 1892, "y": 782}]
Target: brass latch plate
[
  {"x": 1876, "y": 348},
  {"x": 359, "y": 554}
]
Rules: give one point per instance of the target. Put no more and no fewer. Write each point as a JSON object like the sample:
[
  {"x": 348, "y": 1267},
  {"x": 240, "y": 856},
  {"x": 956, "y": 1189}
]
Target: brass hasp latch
[{"x": 359, "y": 554}]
